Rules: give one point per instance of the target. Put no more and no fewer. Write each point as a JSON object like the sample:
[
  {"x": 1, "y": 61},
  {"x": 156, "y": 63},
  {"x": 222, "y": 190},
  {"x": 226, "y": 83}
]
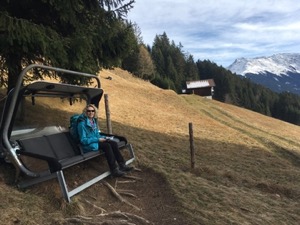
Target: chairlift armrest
[{"x": 53, "y": 164}]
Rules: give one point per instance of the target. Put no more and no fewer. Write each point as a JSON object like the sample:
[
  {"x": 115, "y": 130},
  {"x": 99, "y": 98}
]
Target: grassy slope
[{"x": 247, "y": 164}]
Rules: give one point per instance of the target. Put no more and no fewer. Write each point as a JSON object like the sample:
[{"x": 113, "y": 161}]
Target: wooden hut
[{"x": 204, "y": 88}]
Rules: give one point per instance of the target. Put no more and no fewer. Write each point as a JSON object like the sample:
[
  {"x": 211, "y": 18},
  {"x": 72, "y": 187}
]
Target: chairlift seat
[{"x": 60, "y": 152}]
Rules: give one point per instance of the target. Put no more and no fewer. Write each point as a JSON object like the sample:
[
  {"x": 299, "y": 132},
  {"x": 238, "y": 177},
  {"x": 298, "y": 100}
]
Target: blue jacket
[{"x": 88, "y": 134}]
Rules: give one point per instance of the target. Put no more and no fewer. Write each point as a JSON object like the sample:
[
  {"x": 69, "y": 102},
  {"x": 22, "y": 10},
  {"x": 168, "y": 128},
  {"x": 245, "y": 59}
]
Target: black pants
[{"x": 112, "y": 153}]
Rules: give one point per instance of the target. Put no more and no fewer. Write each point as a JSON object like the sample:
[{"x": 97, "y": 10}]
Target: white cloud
[{"x": 222, "y": 30}]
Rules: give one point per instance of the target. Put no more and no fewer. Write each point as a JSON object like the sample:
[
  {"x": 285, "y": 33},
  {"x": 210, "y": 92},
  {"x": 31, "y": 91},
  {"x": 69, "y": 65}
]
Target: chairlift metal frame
[{"x": 9, "y": 148}]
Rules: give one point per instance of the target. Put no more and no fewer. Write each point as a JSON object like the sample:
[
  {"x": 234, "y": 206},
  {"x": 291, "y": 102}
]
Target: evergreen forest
[
  {"x": 90, "y": 35},
  {"x": 169, "y": 67}
]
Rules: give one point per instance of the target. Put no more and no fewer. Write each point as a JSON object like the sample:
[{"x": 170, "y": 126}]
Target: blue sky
[{"x": 222, "y": 30}]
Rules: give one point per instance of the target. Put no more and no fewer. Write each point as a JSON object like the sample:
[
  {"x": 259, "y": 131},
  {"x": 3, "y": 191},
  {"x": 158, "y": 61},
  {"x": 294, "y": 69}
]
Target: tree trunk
[{"x": 13, "y": 63}]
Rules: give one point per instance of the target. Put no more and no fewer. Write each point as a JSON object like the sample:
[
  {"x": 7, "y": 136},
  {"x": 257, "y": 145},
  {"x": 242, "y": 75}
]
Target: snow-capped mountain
[{"x": 279, "y": 72}]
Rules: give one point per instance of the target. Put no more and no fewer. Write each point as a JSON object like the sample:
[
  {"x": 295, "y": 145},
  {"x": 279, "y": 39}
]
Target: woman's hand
[{"x": 102, "y": 139}]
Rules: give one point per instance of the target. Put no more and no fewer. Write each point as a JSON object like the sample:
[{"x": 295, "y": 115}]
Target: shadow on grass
[{"x": 219, "y": 165}]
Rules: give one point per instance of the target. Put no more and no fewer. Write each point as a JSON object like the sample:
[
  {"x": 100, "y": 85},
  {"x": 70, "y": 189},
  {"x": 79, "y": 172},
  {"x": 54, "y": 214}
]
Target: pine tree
[
  {"x": 145, "y": 66},
  {"x": 73, "y": 34},
  {"x": 158, "y": 56},
  {"x": 179, "y": 62},
  {"x": 191, "y": 71}
]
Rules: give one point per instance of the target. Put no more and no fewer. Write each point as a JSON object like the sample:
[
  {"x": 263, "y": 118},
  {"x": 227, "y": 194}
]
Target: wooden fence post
[
  {"x": 192, "y": 149},
  {"x": 107, "y": 111}
]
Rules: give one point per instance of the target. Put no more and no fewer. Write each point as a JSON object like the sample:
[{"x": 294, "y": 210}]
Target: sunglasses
[{"x": 90, "y": 110}]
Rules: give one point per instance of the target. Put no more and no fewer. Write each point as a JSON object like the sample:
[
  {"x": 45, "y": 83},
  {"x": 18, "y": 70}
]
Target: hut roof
[{"x": 200, "y": 84}]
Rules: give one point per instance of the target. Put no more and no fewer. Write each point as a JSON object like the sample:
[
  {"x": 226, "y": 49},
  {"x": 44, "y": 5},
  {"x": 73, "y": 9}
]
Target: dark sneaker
[
  {"x": 126, "y": 168},
  {"x": 117, "y": 173}
]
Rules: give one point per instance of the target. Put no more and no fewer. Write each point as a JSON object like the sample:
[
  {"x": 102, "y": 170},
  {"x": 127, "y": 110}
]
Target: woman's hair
[{"x": 88, "y": 106}]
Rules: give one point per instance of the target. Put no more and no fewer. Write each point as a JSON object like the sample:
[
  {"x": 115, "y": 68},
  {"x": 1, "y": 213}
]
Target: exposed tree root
[
  {"x": 133, "y": 177},
  {"x": 118, "y": 196},
  {"x": 137, "y": 169},
  {"x": 95, "y": 206},
  {"x": 127, "y": 194},
  {"x": 113, "y": 218},
  {"x": 101, "y": 217},
  {"x": 126, "y": 181}
]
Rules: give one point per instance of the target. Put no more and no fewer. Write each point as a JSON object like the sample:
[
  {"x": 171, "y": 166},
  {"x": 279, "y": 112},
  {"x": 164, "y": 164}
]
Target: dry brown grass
[{"x": 247, "y": 165}]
